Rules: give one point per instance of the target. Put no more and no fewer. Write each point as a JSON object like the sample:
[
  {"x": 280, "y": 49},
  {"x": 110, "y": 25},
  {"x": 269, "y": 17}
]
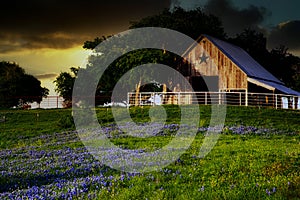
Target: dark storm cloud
[
  {"x": 63, "y": 24},
  {"x": 235, "y": 20},
  {"x": 287, "y": 34},
  {"x": 46, "y": 76},
  {"x": 11, "y": 41}
]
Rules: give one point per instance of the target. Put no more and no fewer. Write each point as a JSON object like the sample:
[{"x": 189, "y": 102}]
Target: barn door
[{"x": 205, "y": 83}]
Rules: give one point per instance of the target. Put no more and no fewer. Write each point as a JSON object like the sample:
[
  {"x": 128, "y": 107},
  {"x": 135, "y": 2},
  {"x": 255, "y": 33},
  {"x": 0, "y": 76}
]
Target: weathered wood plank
[{"x": 216, "y": 64}]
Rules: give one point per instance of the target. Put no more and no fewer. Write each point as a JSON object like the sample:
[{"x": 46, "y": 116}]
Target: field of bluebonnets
[{"x": 256, "y": 157}]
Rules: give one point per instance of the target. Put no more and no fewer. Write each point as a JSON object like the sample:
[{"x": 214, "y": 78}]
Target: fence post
[
  {"x": 276, "y": 101},
  {"x": 294, "y": 102},
  {"x": 246, "y": 98},
  {"x": 205, "y": 98},
  {"x": 57, "y": 101},
  {"x": 128, "y": 100},
  {"x": 240, "y": 98}
]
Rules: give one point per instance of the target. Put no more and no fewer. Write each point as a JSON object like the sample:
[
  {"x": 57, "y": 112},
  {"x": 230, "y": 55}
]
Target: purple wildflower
[{"x": 202, "y": 188}]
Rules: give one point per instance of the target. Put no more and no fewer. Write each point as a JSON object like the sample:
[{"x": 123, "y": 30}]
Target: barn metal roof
[
  {"x": 248, "y": 65},
  {"x": 280, "y": 87}
]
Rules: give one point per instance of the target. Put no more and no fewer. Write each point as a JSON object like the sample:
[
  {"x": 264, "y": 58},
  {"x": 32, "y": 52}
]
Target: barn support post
[{"x": 140, "y": 99}]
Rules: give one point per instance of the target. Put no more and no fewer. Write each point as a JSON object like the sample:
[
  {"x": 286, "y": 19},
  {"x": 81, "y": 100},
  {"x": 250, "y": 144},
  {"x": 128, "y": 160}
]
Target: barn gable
[{"x": 233, "y": 66}]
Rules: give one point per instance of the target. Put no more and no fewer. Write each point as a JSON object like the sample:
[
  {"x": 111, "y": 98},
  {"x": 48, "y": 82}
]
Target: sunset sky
[{"x": 45, "y": 37}]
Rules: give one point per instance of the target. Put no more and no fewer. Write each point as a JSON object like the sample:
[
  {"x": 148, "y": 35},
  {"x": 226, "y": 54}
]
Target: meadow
[{"x": 256, "y": 157}]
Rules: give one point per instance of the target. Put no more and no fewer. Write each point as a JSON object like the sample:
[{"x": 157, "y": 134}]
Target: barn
[{"x": 228, "y": 68}]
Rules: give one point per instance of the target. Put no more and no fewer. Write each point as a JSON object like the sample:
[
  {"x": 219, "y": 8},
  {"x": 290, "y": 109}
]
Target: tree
[
  {"x": 278, "y": 61},
  {"x": 255, "y": 43},
  {"x": 64, "y": 85},
  {"x": 192, "y": 23},
  {"x": 16, "y": 86},
  {"x": 284, "y": 66},
  {"x": 92, "y": 44}
]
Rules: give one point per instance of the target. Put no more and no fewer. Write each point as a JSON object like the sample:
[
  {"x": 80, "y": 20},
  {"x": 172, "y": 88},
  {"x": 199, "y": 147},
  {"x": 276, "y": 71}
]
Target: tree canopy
[
  {"x": 18, "y": 87},
  {"x": 282, "y": 64},
  {"x": 192, "y": 23}
]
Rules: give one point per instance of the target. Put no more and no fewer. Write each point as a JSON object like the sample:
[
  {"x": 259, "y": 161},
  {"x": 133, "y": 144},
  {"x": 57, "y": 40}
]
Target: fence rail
[
  {"x": 208, "y": 98},
  {"x": 49, "y": 102},
  {"x": 278, "y": 101}
]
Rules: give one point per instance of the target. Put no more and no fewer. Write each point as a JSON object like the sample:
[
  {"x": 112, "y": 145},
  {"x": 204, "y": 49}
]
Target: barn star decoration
[{"x": 203, "y": 58}]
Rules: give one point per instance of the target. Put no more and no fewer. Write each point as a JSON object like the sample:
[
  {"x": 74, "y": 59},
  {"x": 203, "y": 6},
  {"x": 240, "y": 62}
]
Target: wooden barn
[{"x": 216, "y": 65}]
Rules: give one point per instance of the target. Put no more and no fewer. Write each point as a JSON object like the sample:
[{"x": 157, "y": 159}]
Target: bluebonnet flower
[
  {"x": 65, "y": 173},
  {"x": 202, "y": 188}
]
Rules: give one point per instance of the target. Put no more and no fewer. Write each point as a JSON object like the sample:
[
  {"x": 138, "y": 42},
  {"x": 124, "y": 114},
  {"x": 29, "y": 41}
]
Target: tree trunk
[{"x": 137, "y": 92}]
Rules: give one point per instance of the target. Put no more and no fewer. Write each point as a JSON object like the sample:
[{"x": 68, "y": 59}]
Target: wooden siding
[{"x": 217, "y": 64}]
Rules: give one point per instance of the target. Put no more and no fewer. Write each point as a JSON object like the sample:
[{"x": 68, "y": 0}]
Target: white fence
[
  {"x": 186, "y": 98},
  {"x": 207, "y": 98},
  {"x": 49, "y": 102}
]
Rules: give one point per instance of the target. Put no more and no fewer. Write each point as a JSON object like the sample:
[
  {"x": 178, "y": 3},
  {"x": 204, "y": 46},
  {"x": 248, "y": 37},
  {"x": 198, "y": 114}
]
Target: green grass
[
  {"x": 238, "y": 167},
  {"x": 25, "y": 124}
]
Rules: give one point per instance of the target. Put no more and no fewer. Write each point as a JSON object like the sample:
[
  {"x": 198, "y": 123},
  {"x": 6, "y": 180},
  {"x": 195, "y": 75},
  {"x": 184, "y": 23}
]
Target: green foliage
[
  {"x": 297, "y": 81},
  {"x": 234, "y": 169},
  {"x": 66, "y": 122},
  {"x": 18, "y": 87},
  {"x": 28, "y": 124},
  {"x": 282, "y": 64},
  {"x": 254, "y": 42},
  {"x": 93, "y": 44},
  {"x": 133, "y": 59},
  {"x": 64, "y": 84},
  {"x": 192, "y": 23}
]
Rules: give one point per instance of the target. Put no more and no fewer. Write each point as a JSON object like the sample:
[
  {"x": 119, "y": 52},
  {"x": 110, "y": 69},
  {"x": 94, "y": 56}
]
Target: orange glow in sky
[{"x": 46, "y": 64}]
